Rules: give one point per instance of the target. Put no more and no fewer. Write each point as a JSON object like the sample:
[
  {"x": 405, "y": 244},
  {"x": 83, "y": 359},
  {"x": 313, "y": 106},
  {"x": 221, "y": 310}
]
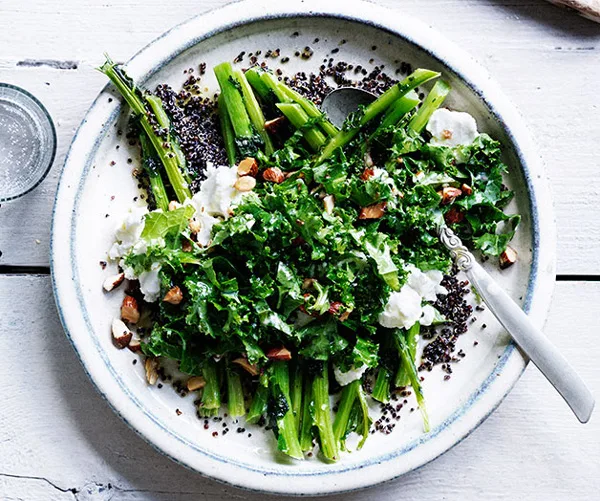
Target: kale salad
[{"x": 301, "y": 261}]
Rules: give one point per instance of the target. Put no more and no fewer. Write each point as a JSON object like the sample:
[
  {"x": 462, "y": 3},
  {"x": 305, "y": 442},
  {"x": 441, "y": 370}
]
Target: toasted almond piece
[
  {"x": 194, "y": 226},
  {"x": 374, "y": 211},
  {"x": 186, "y": 246},
  {"x": 120, "y": 333},
  {"x": 246, "y": 183},
  {"x": 113, "y": 281},
  {"x": 344, "y": 316},
  {"x": 174, "y": 296},
  {"x": 508, "y": 258},
  {"x": 135, "y": 345},
  {"x": 369, "y": 160},
  {"x": 466, "y": 189},
  {"x": 449, "y": 194},
  {"x": 274, "y": 175},
  {"x": 279, "y": 354},
  {"x": 308, "y": 283},
  {"x": 174, "y": 204},
  {"x": 273, "y": 126},
  {"x": 329, "y": 203},
  {"x": 129, "y": 310},
  {"x": 151, "y": 367},
  {"x": 195, "y": 383},
  {"x": 247, "y": 366},
  {"x": 334, "y": 307},
  {"x": 367, "y": 174},
  {"x": 247, "y": 167},
  {"x": 454, "y": 216}
]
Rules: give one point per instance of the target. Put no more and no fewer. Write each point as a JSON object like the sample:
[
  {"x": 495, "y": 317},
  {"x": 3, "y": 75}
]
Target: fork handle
[{"x": 545, "y": 355}]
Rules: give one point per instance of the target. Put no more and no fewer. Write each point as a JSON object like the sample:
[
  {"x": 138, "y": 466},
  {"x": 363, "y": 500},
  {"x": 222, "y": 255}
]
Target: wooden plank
[
  {"x": 547, "y": 60},
  {"x": 57, "y": 434}
]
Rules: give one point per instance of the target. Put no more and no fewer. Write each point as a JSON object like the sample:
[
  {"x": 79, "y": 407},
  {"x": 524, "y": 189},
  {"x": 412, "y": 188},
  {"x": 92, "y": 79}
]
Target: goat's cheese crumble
[{"x": 452, "y": 128}]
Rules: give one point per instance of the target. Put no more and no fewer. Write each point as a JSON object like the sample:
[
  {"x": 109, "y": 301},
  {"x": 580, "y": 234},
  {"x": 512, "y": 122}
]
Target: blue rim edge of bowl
[{"x": 473, "y": 397}]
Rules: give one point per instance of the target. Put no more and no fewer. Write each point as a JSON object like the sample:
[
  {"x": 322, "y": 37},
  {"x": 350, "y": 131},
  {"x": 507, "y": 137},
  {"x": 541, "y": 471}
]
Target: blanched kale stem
[
  {"x": 211, "y": 394},
  {"x": 164, "y": 146},
  {"x": 322, "y": 415},
  {"x": 235, "y": 394},
  {"x": 287, "y": 440},
  {"x": 258, "y": 407},
  {"x": 383, "y": 102},
  {"x": 402, "y": 376},
  {"x": 151, "y": 165},
  {"x": 299, "y": 119},
  {"x": 227, "y": 131},
  {"x": 306, "y": 435},
  {"x": 432, "y": 102}
]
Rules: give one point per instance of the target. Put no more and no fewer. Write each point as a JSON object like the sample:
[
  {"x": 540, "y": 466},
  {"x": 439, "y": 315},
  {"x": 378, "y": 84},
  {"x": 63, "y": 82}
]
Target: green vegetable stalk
[
  {"x": 296, "y": 394},
  {"x": 322, "y": 415},
  {"x": 287, "y": 439},
  {"x": 411, "y": 336},
  {"x": 299, "y": 119},
  {"x": 254, "y": 112},
  {"x": 432, "y": 102},
  {"x": 235, "y": 394},
  {"x": 167, "y": 149},
  {"x": 408, "y": 361},
  {"x": 211, "y": 395},
  {"x": 258, "y": 407},
  {"x": 306, "y": 435},
  {"x": 151, "y": 165},
  {"x": 383, "y": 102},
  {"x": 381, "y": 389},
  {"x": 247, "y": 140},
  {"x": 310, "y": 108},
  {"x": 227, "y": 131}
]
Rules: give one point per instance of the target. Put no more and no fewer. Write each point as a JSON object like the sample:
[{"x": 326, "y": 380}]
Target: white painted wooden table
[{"x": 60, "y": 441}]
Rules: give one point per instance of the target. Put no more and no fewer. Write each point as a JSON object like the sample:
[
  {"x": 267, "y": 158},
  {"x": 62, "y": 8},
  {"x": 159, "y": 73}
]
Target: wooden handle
[{"x": 589, "y": 9}]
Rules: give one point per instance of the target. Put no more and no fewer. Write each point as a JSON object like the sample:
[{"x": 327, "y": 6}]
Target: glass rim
[{"x": 53, "y": 139}]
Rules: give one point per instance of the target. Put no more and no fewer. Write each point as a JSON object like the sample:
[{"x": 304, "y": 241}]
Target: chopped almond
[
  {"x": 334, "y": 307},
  {"x": 273, "y": 126},
  {"x": 174, "y": 296},
  {"x": 374, "y": 211},
  {"x": 466, "y": 189},
  {"x": 247, "y": 366},
  {"x": 449, "y": 194},
  {"x": 454, "y": 216},
  {"x": 113, "y": 281},
  {"x": 245, "y": 183},
  {"x": 129, "y": 310},
  {"x": 174, "y": 204},
  {"x": 508, "y": 258},
  {"x": 151, "y": 367},
  {"x": 274, "y": 175},
  {"x": 344, "y": 316},
  {"x": 279, "y": 354},
  {"x": 369, "y": 160},
  {"x": 135, "y": 345},
  {"x": 308, "y": 283},
  {"x": 247, "y": 167},
  {"x": 195, "y": 383},
  {"x": 120, "y": 333},
  {"x": 367, "y": 174},
  {"x": 329, "y": 203},
  {"x": 186, "y": 246},
  {"x": 194, "y": 226}
]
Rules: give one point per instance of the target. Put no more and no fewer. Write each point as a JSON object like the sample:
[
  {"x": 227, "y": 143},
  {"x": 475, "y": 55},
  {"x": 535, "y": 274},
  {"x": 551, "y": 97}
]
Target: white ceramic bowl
[{"x": 82, "y": 233}]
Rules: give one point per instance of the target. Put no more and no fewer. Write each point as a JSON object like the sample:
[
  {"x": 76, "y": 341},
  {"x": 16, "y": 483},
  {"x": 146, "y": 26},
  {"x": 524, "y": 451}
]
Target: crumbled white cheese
[
  {"x": 150, "y": 283},
  {"x": 452, "y": 128},
  {"x": 405, "y": 307},
  {"x": 344, "y": 378},
  {"x": 217, "y": 194},
  {"x": 128, "y": 233}
]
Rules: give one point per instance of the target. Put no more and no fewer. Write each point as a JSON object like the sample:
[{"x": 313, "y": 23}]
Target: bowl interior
[{"x": 107, "y": 189}]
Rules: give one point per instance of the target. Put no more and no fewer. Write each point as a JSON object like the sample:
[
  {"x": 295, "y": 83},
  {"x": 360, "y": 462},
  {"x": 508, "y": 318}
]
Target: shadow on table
[{"x": 558, "y": 19}]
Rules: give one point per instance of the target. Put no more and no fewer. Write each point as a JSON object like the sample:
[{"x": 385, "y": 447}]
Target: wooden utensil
[{"x": 589, "y": 9}]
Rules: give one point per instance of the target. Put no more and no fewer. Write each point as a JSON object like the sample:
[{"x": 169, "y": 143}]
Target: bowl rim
[{"x": 480, "y": 403}]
